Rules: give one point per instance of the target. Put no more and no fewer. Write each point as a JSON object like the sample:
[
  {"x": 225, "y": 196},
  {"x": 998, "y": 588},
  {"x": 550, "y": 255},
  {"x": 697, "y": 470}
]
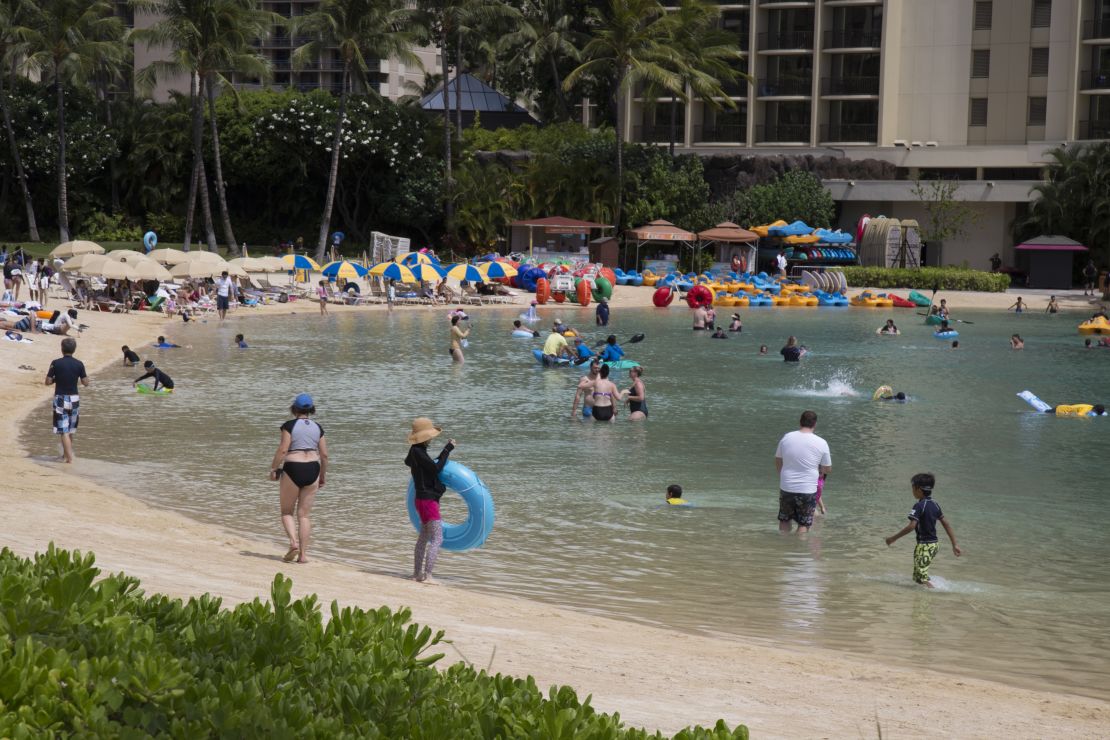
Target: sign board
[
  {"x": 660, "y": 267},
  {"x": 565, "y": 230},
  {"x": 893, "y": 245}
]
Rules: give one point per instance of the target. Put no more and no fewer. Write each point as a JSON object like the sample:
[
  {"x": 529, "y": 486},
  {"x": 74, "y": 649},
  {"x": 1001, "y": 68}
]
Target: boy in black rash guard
[
  {"x": 161, "y": 380},
  {"x": 130, "y": 359},
  {"x": 923, "y": 519},
  {"x": 429, "y": 489}
]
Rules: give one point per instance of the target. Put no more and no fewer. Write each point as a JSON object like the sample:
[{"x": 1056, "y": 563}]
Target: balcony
[
  {"x": 281, "y": 64},
  {"x": 785, "y": 87},
  {"x": 1094, "y": 129},
  {"x": 1096, "y": 29},
  {"x": 853, "y": 39},
  {"x": 659, "y": 133},
  {"x": 721, "y": 133},
  {"x": 783, "y": 133},
  {"x": 1099, "y": 81},
  {"x": 856, "y": 86},
  {"x": 735, "y": 88},
  {"x": 850, "y": 132},
  {"x": 786, "y": 41}
]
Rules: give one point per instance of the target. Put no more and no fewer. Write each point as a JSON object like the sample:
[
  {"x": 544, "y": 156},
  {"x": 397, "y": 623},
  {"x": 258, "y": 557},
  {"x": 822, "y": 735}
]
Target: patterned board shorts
[
  {"x": 797, "y": 506},
  {"x": 66, "y": 409},
  {"x": 923, "y": 555}
]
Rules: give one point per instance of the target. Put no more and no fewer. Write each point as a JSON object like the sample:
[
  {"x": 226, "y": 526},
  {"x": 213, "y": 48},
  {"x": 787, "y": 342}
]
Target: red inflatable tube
[
  {"x": 699, "y": 296},
  {"x": 583, "y": 290},
  {"x": 543, "y": 291},
  {"x": 662, "y": 297}
]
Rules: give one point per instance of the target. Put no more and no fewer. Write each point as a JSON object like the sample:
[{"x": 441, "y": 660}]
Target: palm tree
[
  {"x": 209, "y": 39},
  {"x": 360, "y": 31},
  {"x": 708, "y": 57},
  {"x": 630, "y": 45},
  {"x": 65, "y": 41},
  {"x": 545, "y": 37},
  {"x": 13, "y": 15},
  {"x": 1075, "y": 198}
]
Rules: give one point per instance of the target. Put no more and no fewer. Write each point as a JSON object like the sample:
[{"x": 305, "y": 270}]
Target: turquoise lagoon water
[{"x": 578, "y": 516}]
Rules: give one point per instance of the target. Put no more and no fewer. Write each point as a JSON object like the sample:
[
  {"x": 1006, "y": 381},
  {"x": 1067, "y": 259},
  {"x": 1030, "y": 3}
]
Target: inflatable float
[
  {"x": 525, "y": 334},
  {"x": 662, "y": 297},
  {"x": 547, "y": 361},
  {"x": 1072, "y": 409},
  {"x": 900, "y": 302},
  {"x": 1097, "y": 325},
  {"x": 149, "y": 390},
  {"x": 919, "y": 300},
  {"x": 933, "y": 319},
  {"x": 150, "y": 240},
  {"x": 699, "y": 296},
  {"x": 479, "y": 508},
  {"x": 543, "y": 291},
  {"x": 615, "y": 366},
  {"x": 950, "y": 334}
]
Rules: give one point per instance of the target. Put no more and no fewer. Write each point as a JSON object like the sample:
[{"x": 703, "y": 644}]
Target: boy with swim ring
[
  {"x": 161, "y": 380},
  {"x": 923, "y": 520},
  {"x": 425, "y": 479}
]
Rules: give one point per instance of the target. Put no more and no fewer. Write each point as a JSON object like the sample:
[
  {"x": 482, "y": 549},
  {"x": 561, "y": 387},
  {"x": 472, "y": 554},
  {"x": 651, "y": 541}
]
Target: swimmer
[
  {"x": 700, "y": 318},
  {"x": 1053, "y": 306},
  {"x": 584, "y": 353},
  {"x": 585, "y": 391},
  {"x": 710, "y": 318},
  {"x": 458, "y": 336},
  {"x": 163, "y": 344},
  {"x": 792, "y": 352},
  {"x": 612, "y": 351},
  {"x": 763, "y": 349},
  {"x": 674, "y": 495},
  {"x": 719, "y": 334},
  {"x": 130, "y": 359},
  {"x": 955, "y": 344},
  {"x": 517, "y": 326},
  {"x": 240, "y": 342},
  {"x": 886, "y": 393},
  {"x": 161, "y": 380},
  {"x": 1098, "y": 410},
  {"x": 605, "y": 393},
  {"x": 1016, "y": 342},
  {"x": 636, "y": 396},
  {"x": 1018, "y": 306},
  {"x": 531, "y": 315},
  {"x": 888, "y": 328},
  {"x": 736, "y": 324}
]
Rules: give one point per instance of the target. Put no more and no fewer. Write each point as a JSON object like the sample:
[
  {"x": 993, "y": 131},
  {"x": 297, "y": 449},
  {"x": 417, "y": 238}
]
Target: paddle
[{"x": 631, "y": 340}]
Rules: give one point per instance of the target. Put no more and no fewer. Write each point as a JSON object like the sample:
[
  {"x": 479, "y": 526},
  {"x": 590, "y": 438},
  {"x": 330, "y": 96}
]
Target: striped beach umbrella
[
  {"x": 409, "y": 259},
  {"x": 344, "y": 269},
  {"x": 494, "y": 270},
  {"x": 393, "y": 271},
  {"x": 465, "y": 271},
  {"x": 426, "y": 271},
  {"x": 300, "y": 262}
]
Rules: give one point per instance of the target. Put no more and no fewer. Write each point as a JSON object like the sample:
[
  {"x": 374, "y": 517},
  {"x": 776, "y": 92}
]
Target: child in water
[
  {"x": 719, "y": 334},
  {"x": 674, "y": 495},
  {"x": 763, "y": 349},
  {"x": 240, "y": 342},
  {"x": 820, "y": 489},
  {"x": 923, "y": 519},
  {"x": 1018, "y": 306},
  {"x": 1016, "y": 342}
]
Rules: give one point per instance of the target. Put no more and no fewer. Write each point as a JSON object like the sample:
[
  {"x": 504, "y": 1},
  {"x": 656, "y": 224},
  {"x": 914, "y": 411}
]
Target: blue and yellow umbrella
[
  {"x": 300, "y": 262},
  {"x": 431, "y": 273},
  {"x": 344, "y": 269},
  {"x": 393, "y": 271},
  {"x": 494, "y": 270},
  {"x": 465, "y": 271},
  {"x": 411, "y": 259}
]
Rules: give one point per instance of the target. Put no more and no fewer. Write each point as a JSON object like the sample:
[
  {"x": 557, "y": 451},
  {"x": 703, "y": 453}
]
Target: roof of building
[
  {"x": 660, "y": 231},
  {"x": 728, "y": 232},
  {"x": 551, "y": 222},
  {"x": 1051, "y": 243},
  {"x": 476, "y": 96}
]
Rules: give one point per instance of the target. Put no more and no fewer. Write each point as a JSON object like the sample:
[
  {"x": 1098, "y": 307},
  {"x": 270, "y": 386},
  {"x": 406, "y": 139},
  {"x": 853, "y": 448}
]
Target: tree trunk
[
  {"x": 194, "y": 177},
  {"x": 560, "y": 98},
  {"x": 221, "y": 196},
  {"x": 333, "y": 173},
  {"x": 206, "y": 210},
  {"x": 32, "y": 226},
  {"x": 198, "y": 163},
  {"x": 63, "y": 199},
  {"x": 458, "y": 89},
  {"x": 621, "y": 73},
  {"x": 448, "y": 205},
  {"x": 674, "y": 100}
]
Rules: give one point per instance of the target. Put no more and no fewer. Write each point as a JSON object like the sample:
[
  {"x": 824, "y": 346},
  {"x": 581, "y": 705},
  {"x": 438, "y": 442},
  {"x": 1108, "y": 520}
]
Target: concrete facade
[{"x": 959, "y": 89}]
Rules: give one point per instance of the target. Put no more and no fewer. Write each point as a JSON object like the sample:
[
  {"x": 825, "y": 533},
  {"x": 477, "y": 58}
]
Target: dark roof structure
[
  {"x": 1051, "y": 243},
  {"x": 493, "y": 109}
]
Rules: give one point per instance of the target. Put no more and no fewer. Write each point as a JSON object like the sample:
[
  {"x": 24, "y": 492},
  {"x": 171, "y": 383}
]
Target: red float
[
  {"x": 583, "y": 291},
  {"x": 543, "y": 291},
  {"x": 609, "y": 275},
  {"x": 559, "y": 296},
  {"x": 662, "y": 297},
  {"x": 699, "y": 296}
]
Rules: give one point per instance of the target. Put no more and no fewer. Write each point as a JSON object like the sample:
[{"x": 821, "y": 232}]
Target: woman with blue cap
[{"x": 300, "y": 464}]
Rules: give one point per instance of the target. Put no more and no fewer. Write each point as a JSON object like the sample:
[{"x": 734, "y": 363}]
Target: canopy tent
[
  {"x": 658, "y": 231},
  {"x": 1051, "y": 260},
  {"x": 477, "y": 100},
  {"x": 729, "y": 239},
  {"x": 558, "y": 225}
]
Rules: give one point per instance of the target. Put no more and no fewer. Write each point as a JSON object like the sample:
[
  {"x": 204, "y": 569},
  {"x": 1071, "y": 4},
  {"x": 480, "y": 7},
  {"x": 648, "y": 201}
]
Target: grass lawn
[{"x": 41, "y": 249}]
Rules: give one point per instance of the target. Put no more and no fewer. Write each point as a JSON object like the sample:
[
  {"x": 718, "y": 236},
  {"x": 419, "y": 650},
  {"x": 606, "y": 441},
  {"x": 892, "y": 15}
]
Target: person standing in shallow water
[
  {"x": 64, "y": 374},
  {"x": 458, "y": 336},
  {"x": 428, "y": 490},
  {"x": 301, "y": 465},
  {"x": 800, "y": 459}
]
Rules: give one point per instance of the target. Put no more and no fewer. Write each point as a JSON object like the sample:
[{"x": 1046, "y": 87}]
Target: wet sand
[{"x": 654, "y": 678}]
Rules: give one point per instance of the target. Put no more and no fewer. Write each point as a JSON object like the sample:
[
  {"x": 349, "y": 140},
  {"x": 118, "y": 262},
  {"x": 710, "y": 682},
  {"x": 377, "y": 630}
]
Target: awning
[
  {"x": 660, "y": 231},
  {"x": 1051, "y": 243},
  {"x": 560, "y": 224},
  {"x": 727, "y": 232}
]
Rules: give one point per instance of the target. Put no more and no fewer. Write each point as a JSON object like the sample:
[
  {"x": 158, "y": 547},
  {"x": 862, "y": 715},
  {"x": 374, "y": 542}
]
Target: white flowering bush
[
  {"x": 89, "y": 144},
  {"x": 372, "y": 132}
]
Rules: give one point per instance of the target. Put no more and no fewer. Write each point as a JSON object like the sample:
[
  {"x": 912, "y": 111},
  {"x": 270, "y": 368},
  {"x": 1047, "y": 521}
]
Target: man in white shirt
[
  {"x": 225, "y": 289},
  {"x": 780, "y": 263},
  {"x": 801, "y": 458}
]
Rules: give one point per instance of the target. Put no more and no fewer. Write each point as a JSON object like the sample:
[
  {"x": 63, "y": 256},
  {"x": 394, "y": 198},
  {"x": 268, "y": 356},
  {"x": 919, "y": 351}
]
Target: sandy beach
[{"x": 654, "y": 678}]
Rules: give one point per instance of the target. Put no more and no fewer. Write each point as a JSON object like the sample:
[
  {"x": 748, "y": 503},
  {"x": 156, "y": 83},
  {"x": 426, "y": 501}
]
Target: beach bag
[{"x": 283, "y": 298}]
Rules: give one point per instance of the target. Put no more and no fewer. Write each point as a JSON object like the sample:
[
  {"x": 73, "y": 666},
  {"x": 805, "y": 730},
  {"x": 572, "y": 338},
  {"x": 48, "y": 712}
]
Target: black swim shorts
[{"x": 798, "y": 507}]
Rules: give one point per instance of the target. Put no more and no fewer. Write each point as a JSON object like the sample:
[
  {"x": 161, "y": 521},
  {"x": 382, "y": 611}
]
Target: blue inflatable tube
[
  {"x": 479, "y": 508},
  {"x": 950, "y": 334},
  {"x": 525, "y": 333},
  {"x": 150, "y": 240}
]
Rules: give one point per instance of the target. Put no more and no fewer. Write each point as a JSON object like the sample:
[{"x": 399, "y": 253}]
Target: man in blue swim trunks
[{"x": 585, "y": 391}]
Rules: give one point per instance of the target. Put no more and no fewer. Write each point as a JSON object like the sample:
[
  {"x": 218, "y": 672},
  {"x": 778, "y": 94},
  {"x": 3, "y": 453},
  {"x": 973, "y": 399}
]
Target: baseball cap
[{"x": 303, "y": 401}]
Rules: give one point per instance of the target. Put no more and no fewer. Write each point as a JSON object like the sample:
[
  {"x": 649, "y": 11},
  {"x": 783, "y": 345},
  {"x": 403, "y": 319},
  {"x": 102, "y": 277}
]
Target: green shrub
[
  {"x": 110, "y": 227},
  {"x": 98, "y": 658},
  {"x": 926, "y": 278}
]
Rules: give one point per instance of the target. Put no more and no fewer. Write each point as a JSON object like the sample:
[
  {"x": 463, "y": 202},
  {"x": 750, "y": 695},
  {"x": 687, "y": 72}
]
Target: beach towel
[{"x": 14, "y": 336}]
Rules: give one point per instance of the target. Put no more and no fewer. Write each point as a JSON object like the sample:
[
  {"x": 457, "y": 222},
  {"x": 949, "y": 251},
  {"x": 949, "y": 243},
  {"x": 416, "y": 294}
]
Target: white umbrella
[
  {"x": 74, "y": 248},
  {"x": 129, "y": 256},
  {"x": 203, "y": 256},
  {"x": 250, "y": 264},
  {"x": 115, "y": 271},
  {"x": 274, "y": 264},
  {"x": 196, "y": 269},
  {"x": 150, "y": 270},
  {"x": 82, "y": 263},
  {"x": 168, "y": 256}
]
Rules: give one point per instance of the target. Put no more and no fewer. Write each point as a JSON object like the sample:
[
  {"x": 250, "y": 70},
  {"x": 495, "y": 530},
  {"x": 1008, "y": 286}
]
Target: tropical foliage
[
  {"x": 926, "y": 278},
  {"x": 92, "y": 656}
]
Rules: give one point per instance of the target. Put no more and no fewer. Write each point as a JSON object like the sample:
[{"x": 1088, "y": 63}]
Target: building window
[
  {"x": 980, "y": 63},
  {"x": 978, "y": 116},
  {"x": 1038, "y": 62},
  {"x": 1038, "y": 108},
  {"x": 1042, "y": 13},
  {"x": 983, "y": 11}
]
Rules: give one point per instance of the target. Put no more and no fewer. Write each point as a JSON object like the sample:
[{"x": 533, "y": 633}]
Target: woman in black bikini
[
  {"x": 637, "y": 396},
  {"x": 605, "y": 391},
  {"x": 300, "y": 463}
]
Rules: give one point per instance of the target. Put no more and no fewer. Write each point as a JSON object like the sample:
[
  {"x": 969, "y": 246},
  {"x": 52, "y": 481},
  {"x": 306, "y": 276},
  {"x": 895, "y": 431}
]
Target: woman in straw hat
[{"x": 425, "y": 480}]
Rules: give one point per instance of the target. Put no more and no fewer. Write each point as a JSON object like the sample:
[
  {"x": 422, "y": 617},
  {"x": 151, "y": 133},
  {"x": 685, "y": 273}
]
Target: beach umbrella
[
  {"x": 150, "y": 270},
  {"x": 344, "y": 269},
  {"x": 408, "y": 259},
  {"x": 495, "y": 270},
  {"x": 168, "y": 256},
  {"x": 300, "y": 262},
  {"x": 111, "y": 270},
  {"x": 426, "y": 271},
  {"x": 464, "y": 271},
  {"x": 127, "y": 255},
  {"x": 194, "y": 269},
  {"x": 203, "y": 256},
  {"x": 393, "y": 271},
  {"x": 234, "y": 270},
  {"x": 82, "y": 263},
  {"x": 273, "y": 264},
  {"x": 249, "y": 264},
  {"x": 74, "y": 248}
]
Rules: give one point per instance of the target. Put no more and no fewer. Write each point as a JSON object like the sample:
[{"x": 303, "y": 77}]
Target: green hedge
[
  {"x": 926, "y": 278},
  {"x": 97, "y": 658}
]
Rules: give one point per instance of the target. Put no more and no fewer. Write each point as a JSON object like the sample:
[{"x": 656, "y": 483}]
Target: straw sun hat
[{"x": 422, "y": 430}]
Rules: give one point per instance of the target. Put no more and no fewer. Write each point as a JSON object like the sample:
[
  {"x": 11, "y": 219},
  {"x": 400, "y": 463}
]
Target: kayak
[
  {"x": 920, "y": 300},
  {"x": 933, "y": 319},
  {"x": 548, "y": 361},
  {"x": 900, "y": 302},
  {"x": 615, "y": 366}
]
